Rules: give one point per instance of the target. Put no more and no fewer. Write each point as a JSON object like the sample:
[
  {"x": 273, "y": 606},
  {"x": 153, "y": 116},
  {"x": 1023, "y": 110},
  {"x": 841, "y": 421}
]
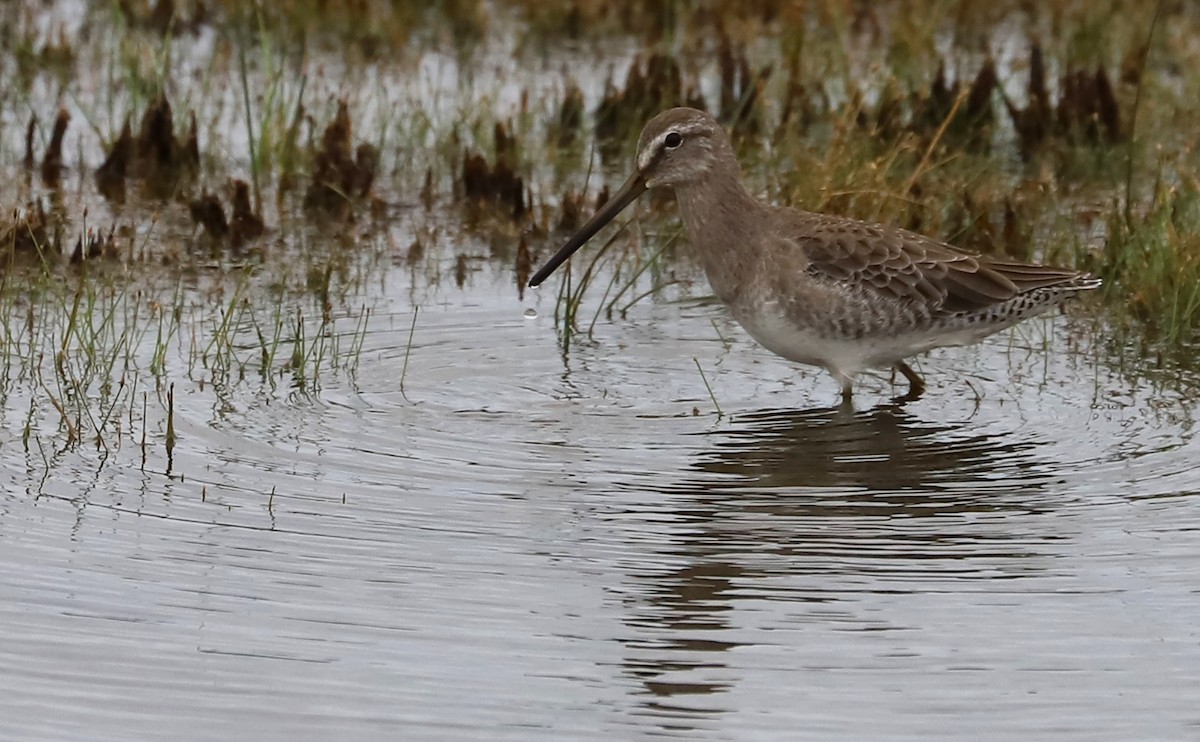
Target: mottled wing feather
[{"x": 903, "y": 265}]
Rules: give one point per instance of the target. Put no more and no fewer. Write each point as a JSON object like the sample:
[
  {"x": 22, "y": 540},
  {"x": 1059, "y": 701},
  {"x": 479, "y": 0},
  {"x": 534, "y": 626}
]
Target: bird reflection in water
[{"x": 814, "y": 508}]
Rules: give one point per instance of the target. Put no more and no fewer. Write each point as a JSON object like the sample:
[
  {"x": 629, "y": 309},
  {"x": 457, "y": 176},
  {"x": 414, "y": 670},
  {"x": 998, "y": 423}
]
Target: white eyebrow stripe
[{"x": 648, "y": 155}]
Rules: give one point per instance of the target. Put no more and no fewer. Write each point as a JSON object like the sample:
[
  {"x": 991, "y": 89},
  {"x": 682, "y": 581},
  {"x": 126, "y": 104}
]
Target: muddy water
[{"x": 523, "y": 544}]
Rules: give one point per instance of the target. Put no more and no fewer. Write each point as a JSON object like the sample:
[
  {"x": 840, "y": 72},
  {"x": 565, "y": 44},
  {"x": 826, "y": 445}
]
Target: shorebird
[{"x": 827, "y": 291}]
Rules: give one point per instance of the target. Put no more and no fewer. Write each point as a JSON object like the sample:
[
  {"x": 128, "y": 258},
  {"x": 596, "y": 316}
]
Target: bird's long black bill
[{"x": 629, "y": 192}]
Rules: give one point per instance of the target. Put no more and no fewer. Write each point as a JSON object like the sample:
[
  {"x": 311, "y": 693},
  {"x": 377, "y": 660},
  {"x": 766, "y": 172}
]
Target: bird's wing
[{"x": 900, "y": 265}]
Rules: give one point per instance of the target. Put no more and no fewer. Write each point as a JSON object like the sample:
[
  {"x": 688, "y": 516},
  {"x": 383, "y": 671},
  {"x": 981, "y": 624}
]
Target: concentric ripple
[{"x": 479, "y": 534}]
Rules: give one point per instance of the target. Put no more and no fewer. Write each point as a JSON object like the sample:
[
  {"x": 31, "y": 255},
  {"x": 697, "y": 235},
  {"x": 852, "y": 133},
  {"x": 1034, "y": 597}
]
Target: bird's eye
[{"x": 673, "y": 140}]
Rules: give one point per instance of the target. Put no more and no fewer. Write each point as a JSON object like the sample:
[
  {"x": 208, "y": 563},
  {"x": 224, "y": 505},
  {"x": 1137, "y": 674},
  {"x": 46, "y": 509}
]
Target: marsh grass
[
  {"x": 78, "y": 346},
  {"x": 275, "y": 340},
  {"x": 708, "y": 388},
  {"x": 1155, "y": 263},
  {"x": 835, "y": 107}
]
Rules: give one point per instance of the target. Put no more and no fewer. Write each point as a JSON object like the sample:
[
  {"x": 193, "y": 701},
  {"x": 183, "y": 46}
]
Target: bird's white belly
[{"x": 842, "y": 356}]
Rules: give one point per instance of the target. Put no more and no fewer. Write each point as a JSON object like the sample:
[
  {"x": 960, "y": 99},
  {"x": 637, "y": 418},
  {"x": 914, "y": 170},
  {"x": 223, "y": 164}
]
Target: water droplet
[{"x": 530, "y": 313}]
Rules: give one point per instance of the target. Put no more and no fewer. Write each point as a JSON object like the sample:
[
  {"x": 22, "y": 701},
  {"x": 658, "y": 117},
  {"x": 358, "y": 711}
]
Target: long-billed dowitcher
[{"x": 823, "y": 290}]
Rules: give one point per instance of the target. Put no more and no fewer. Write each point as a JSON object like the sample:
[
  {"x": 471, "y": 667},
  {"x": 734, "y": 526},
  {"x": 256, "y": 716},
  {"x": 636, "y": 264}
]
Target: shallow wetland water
[{"x": 450, "y": 524}]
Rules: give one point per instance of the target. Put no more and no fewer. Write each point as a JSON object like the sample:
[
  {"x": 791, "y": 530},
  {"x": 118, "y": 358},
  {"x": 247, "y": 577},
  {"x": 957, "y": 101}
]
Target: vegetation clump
[
  {"x": 497, "y": 184},
  {"x": 342, "y": 173},
  {"x": 162, "y": 161}
]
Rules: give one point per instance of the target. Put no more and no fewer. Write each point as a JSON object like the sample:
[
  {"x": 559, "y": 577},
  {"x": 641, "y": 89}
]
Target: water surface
[{"x": 527, "y": 544}]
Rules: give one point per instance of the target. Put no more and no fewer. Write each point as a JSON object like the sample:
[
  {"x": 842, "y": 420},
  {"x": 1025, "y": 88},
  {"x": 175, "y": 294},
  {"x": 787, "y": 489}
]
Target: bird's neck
[{"x": 723, "y": 223}]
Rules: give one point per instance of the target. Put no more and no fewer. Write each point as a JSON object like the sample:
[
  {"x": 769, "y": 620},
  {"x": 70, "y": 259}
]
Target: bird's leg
[
  {"x": 916, "y": 385},
  {"x": 847, "y": 389}
]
